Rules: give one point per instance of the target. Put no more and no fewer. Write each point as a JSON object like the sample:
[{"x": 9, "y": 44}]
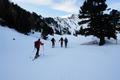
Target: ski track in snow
[{"x": 77, "y": 62}]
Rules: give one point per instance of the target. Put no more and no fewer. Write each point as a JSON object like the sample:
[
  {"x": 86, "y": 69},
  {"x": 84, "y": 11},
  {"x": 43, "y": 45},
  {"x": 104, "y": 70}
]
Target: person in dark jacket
[
  {"x": 38, "y": 43},
  {"x": 53, "y": 42},
  {"x": 65, "y": 41},
  {"x": 61, "y": 41}
]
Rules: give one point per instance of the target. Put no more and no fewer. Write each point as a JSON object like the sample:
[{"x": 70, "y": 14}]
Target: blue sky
[{"x": 56, "y": 8}]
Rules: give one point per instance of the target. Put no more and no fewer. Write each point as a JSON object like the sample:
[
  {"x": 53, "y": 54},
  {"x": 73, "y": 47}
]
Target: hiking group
[
  {"x": 39, "y": 43},
  {"x": 65, "y": 41}
]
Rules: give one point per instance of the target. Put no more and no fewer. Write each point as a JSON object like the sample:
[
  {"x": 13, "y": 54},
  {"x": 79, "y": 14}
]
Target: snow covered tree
[{"x": 99, "y": 24}]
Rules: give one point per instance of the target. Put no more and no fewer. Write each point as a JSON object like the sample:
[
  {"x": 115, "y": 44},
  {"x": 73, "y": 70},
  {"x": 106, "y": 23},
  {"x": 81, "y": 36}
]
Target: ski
[{"x": 36, "y": 57}]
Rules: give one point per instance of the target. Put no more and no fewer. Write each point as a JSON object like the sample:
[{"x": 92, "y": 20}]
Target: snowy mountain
[{"x": 64, "y": 25}]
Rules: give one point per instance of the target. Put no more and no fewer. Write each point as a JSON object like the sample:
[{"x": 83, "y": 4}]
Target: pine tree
[
  {"x": 115, "y": 14},
  {"x": 99, "y": 24}
]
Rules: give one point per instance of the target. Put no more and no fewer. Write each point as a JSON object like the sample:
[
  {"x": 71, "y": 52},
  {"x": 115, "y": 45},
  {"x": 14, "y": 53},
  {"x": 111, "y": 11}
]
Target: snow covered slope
[
  {"x": 70, "y": 22},
  {"x": 80, "y": 61}
]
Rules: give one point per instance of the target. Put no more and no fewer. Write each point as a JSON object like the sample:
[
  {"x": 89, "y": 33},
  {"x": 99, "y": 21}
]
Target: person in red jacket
[{"x": 38, "y": 43}]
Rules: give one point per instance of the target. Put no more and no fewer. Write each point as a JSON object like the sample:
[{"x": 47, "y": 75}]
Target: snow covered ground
[{"x": 79, "y": 61}]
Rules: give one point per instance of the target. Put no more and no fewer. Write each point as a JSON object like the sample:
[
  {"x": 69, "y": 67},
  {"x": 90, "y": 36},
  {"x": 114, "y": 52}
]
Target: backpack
[
  {"x": 66, "y": 40},
  {"x": 35, "y": 44}
]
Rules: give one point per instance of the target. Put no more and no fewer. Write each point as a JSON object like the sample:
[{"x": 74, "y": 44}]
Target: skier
[
  {"x": 37, "y": 46},
  {"x": 61, "y": 41},
  {"x": 53, "y": 42},
  {"x": 65, "y": 41}
]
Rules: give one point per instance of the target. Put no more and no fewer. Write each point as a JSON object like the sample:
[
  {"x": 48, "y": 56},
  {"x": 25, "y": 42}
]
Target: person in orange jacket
[{"x": 38, "y": 43}]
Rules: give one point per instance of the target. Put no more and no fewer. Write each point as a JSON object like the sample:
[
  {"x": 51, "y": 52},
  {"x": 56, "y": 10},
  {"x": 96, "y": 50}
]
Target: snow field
[{"x": 77, "y": 62}]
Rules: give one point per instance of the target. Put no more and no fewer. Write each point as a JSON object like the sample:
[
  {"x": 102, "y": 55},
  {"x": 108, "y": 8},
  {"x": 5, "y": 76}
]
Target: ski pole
[{"x": 33, "y": 50}]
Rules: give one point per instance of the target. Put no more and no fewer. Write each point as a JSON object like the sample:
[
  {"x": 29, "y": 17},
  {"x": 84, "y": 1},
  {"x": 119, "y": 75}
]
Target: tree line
[{"x": 21, "y": 20}]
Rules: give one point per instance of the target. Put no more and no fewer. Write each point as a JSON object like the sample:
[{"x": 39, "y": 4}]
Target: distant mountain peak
[
  {"x": 70, "y": 16},
  {"x": 66, "y": 16}
]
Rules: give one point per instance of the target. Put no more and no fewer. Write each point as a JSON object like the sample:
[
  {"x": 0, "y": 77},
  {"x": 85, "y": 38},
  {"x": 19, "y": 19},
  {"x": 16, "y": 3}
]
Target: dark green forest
[{"x": 23, "y": 21}]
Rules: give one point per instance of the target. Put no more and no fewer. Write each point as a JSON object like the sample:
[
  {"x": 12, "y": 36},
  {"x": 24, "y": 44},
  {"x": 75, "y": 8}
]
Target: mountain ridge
[{"x": 64, "y": 25}]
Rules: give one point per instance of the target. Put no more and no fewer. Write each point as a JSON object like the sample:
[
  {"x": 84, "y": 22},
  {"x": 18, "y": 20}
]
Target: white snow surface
[{"x": 80, "y": 61}]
